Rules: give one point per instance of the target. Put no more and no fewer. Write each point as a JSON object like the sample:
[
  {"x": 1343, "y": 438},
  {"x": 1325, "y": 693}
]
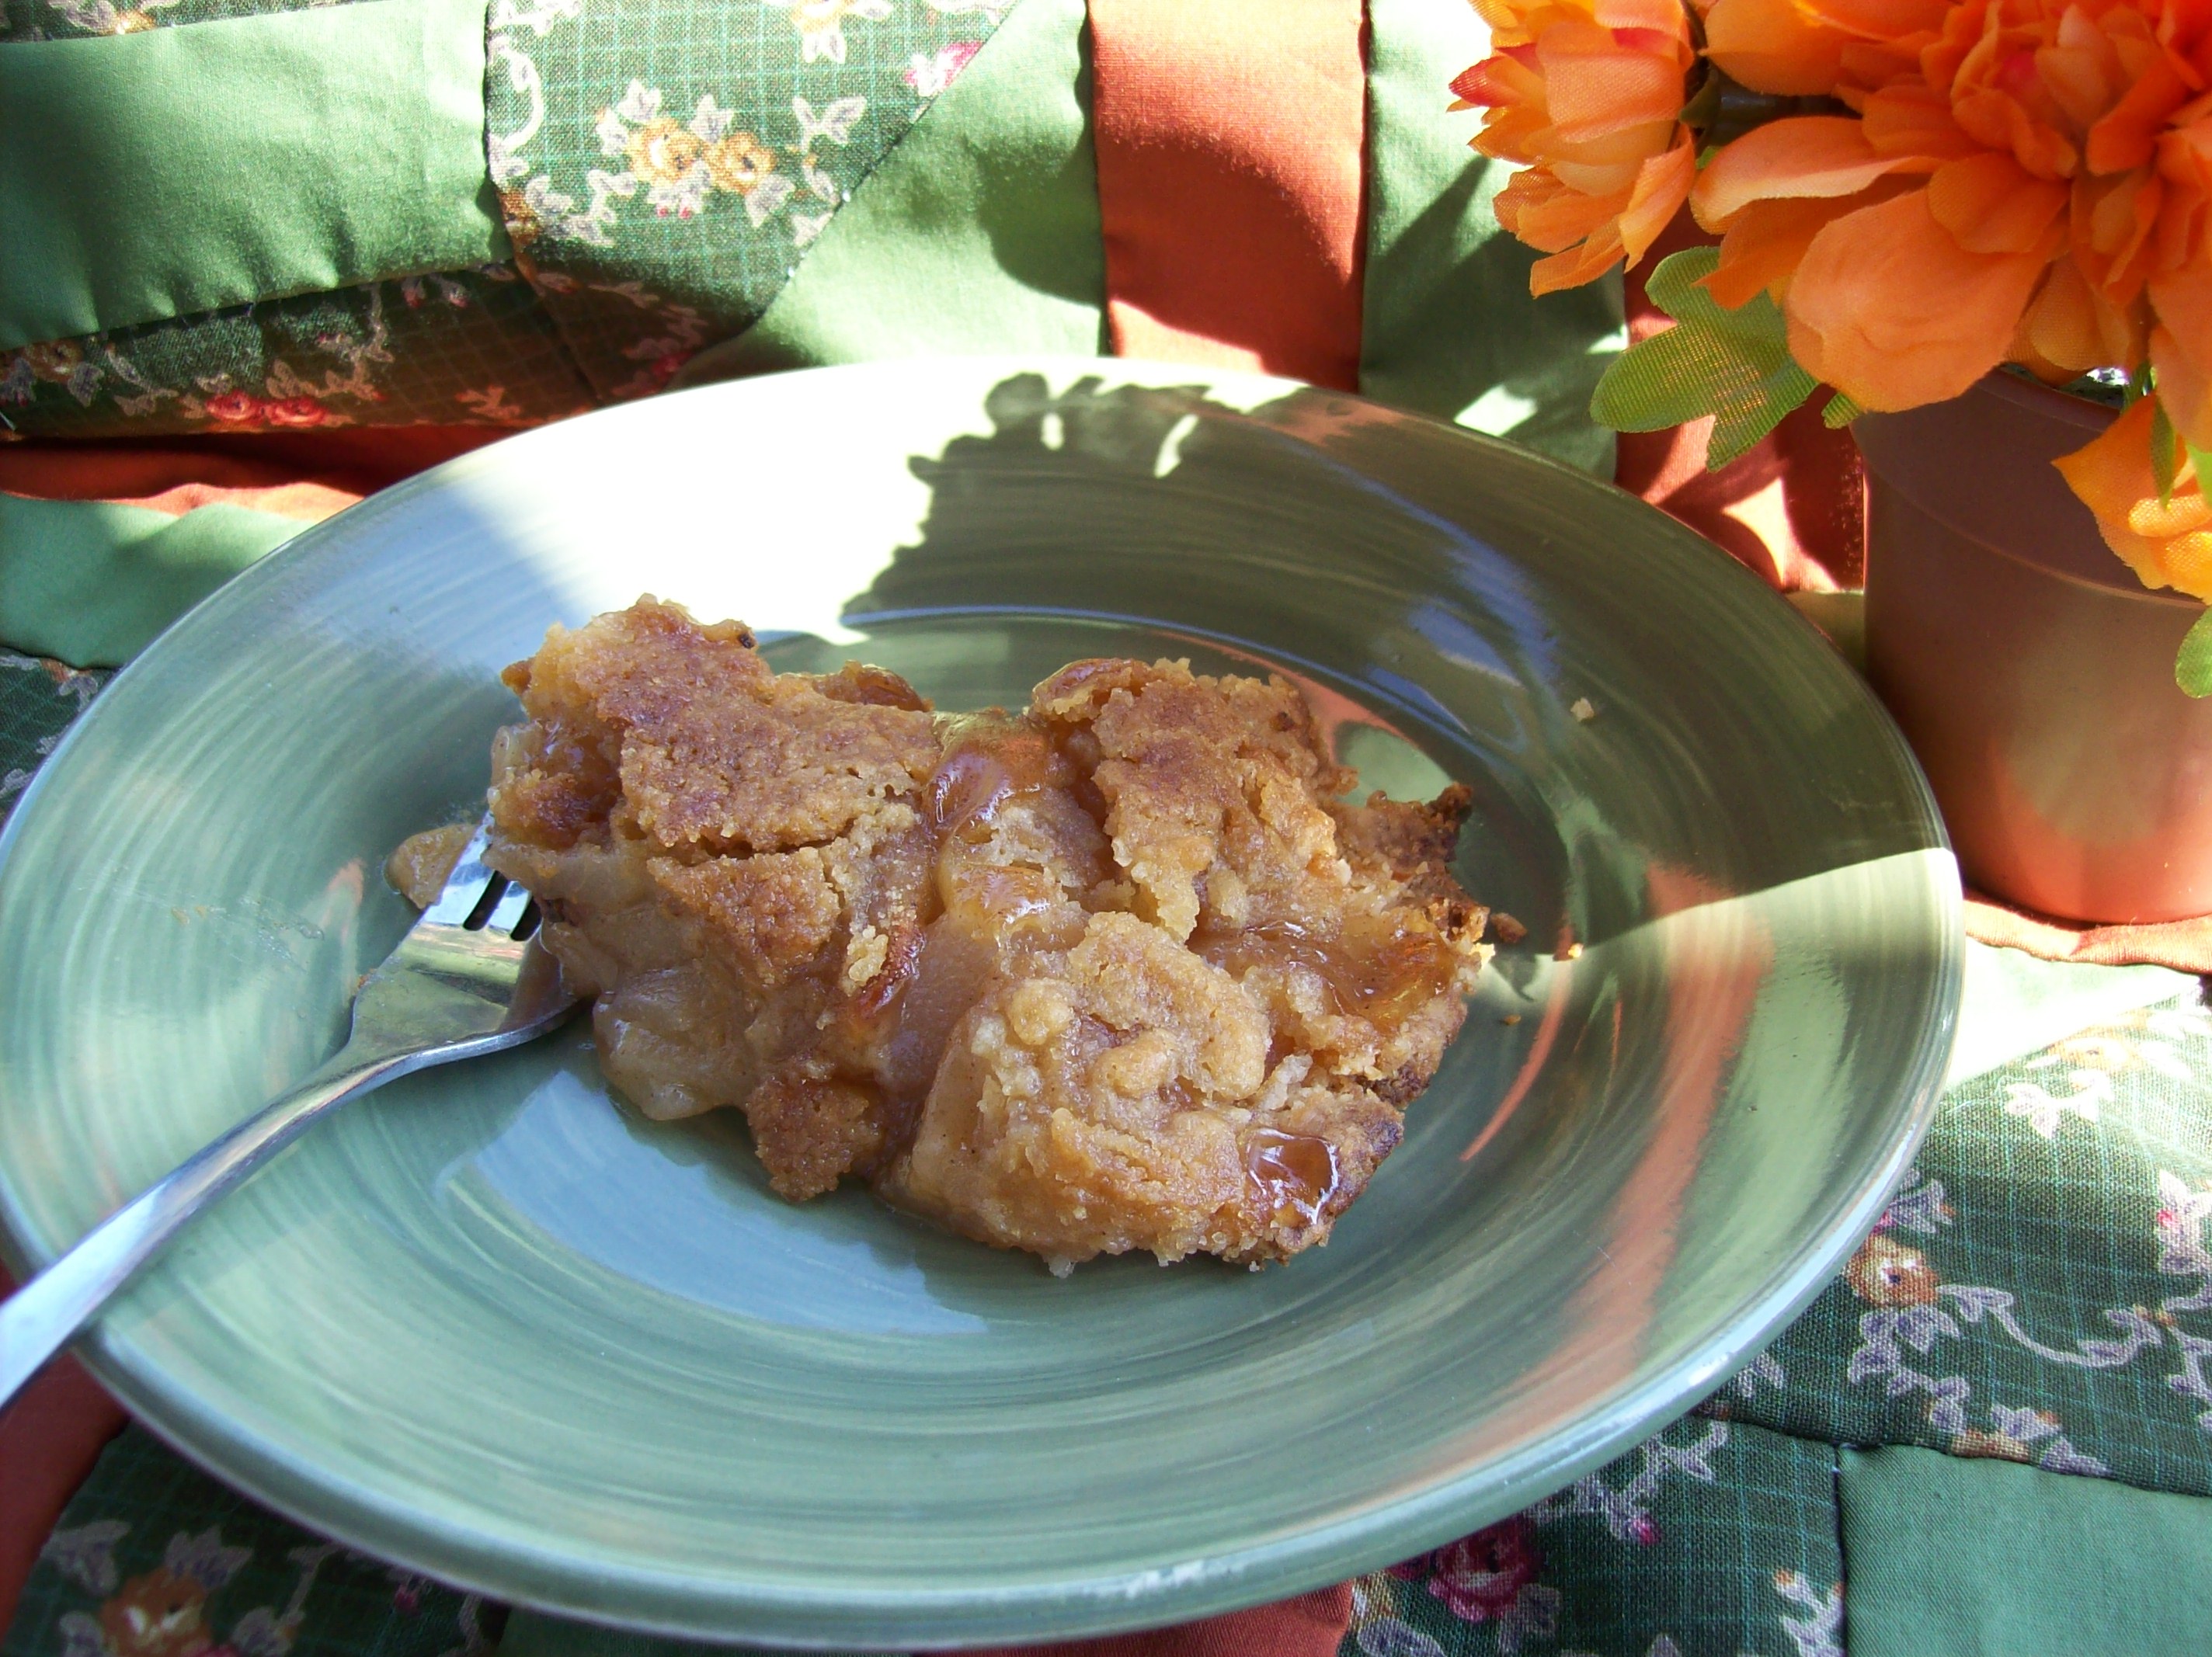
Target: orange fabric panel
[{"x": 1232, "y": 143}]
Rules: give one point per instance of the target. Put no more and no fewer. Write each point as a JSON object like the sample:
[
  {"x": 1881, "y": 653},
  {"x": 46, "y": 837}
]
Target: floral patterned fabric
[
  {"x": 662, "y": 169},
  {"x": 699, "y": 151},
  {"x": 37, "y": 699},
  {"x": 1710, "y": 1537},
  {"x": 2041, "y": 1289},
  {"x": 184, "y": 1567},
  {"x": 469, "y": 347}
]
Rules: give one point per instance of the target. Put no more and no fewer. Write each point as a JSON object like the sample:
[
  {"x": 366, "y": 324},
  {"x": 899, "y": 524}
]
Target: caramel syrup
[
  {"x": 1379, "y": 973},
  {"x": 1294, "y": 1171},
  {"x": 992, "y": 761}
]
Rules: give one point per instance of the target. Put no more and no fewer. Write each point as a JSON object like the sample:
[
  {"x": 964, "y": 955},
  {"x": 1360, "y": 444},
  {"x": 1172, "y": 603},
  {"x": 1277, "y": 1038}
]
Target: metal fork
[{"x": 467, "y": 979}]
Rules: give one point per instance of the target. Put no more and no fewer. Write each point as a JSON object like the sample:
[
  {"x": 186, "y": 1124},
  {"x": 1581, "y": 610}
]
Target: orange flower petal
[
  {"x": 2113, "y": 226},
  {"x": 2114, "y": 471},
  {"x": 1766, "y": 242},
  {"x": 1549, "y": 216},
  {"x": 2071, "y": 327},
  {"x": 2183, "y": 301},
  {"x": 1889, "y": 308},
  {"x": 1769, "y": 45},
  {"x": 1576, "y": 266},
  {"x": 2188, "y": 560},
  {"x": 2186, "y": 154},
  {"x": 2185, "y": 162},
  {"x": 1992, "y": 204},
  {"x": 1998, "y": 122},
  {"x": 1499, "y": 80},
  {"x": 1662, "y": 185},
  {"x": 1626, "y": 149},
  {"x": 1915, "y": 119},
  {"x": 2184, "y": 386},
  {"x": 2080, "y": 79},
  {"x": 2128, "y": 137},
  {"x": 1803, "y": 155},
  {"x": 1593, "y": 86},
  {"x": 1878, "y": 19},
  {"x": 1504, "y": 17},
  {"x": 1870, "y": 65},
  {"x": 2178, "y": 514},
  {"x": 2113, "y": 478},
  {"x": 1657, "y": 16}
]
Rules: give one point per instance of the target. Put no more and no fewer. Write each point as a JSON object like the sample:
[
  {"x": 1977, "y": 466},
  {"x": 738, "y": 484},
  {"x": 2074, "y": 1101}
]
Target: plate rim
[{"x": 1382, "y": 1530}]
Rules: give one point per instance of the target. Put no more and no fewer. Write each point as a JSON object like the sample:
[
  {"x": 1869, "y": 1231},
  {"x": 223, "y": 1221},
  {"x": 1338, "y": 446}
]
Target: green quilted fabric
[
  {"x": 172, "y": 172},
  {"x": 2041, "y": 1288},
  {"x": 675, "y": 179},
  {"x": 1985, "y": 1559},
  {"x": 38, "y": 697},
  {"x": 93, "y": 582},
  {"x": 663, "y": 169},
  {"x": 194, "y": 1568},
  {"x": 468, "y": 346},
  {"x": 696, "y": 150},
  {"x": 1708, "y": 1537}
]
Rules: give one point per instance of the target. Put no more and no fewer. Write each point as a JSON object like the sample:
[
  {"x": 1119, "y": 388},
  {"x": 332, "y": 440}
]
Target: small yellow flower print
[
  {"x": 524, "y": 227},
  {"x": 1976, "y": 1441},
  {"x": 161, "y": 1614},
  {"x": 662, "y": 152},
  {"x": 739, "y": 162},
  {"x": 1885, "y": 1272},
  {"x": 55, "y": 361}
]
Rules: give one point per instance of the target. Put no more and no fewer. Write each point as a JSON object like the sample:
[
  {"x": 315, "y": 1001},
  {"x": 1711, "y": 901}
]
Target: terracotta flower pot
[{"x": 2030, "y": 671}]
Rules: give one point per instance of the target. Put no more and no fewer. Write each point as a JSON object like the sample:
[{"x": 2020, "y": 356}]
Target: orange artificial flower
[
  {"x": 2168, "y": 544},
  {"x": 2022, "y": 179},
  {"x": 1586, "y": 95}
]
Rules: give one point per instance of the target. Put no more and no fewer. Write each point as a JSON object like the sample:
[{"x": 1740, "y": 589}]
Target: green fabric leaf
[
  {"x": 2192, "y": 670},
  {"x": 1840, "y": 412},
  {"x": 1734, "y": 365}
]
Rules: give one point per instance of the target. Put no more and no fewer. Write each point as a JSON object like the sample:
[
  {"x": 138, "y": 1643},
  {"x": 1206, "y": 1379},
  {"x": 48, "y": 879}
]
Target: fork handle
[{"x": 38, "y": 1320}]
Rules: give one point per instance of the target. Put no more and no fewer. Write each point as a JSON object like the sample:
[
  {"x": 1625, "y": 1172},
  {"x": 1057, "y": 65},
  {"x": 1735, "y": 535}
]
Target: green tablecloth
[{"x": 2035, "y": 1306}]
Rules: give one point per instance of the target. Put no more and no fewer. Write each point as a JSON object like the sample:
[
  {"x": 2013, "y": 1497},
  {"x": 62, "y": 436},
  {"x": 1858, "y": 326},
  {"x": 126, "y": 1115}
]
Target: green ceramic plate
[{"x": 494, "y": 1327}]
